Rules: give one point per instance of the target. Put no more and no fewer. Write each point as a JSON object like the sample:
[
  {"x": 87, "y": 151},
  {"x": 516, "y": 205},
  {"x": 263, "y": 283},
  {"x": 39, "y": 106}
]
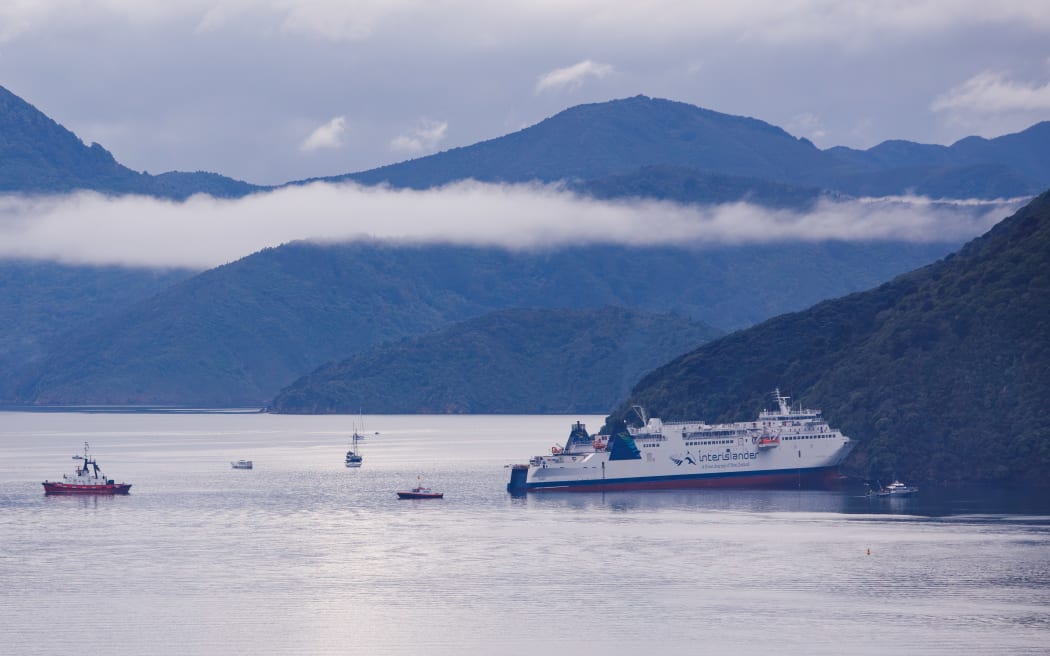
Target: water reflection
[
  {"x": 853, "y": 499},
  {"x": 304, "y": 556}
]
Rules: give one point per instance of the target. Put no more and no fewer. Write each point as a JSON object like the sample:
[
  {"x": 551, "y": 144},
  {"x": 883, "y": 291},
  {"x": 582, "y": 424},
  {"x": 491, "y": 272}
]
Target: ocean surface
[{"x": 303, "y": 556}]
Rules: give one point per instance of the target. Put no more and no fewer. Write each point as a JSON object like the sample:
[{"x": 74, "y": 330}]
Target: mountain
[
  {"x": 41, "y": 301},
  {"x": 651, "y": 137},
  {"x": 519, "y": 361},
  {"x": 601, "y": 139},
  {"x": 37, "y": 155},
  {"x": 238, "y": 334},
  {"x": 593, "y": 145},
  {"x": 942, "y": 374},
  {"x": 691, "y": 187}
]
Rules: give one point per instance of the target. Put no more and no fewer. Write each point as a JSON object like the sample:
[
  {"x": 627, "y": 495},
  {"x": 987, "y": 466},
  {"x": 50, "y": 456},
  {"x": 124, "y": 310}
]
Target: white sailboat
[{"x": 353, "y": 456}]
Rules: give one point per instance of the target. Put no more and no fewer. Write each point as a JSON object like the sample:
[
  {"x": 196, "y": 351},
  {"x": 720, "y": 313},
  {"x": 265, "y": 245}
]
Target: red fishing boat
[{"x": 87, "y": 479}]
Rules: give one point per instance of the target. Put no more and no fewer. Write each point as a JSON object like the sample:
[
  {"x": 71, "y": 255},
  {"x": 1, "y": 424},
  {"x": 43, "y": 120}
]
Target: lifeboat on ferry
[{"x": 768, "y": 441}]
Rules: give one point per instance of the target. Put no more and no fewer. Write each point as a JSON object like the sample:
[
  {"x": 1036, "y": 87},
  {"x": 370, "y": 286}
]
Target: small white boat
[
  {"x": 241, "y": 464},
  {"x": 896, "y": 489}
]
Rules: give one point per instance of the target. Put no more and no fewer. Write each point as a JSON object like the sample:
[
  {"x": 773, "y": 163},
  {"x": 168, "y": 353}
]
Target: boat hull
[
  {"x": 820, "y": 478},
  {"x": 65, "y": 488},
  {"x": 418, "y": 495}
]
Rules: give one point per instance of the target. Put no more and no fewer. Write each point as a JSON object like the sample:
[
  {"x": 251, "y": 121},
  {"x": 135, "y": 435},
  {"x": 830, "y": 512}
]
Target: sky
[{"x": 272, "y": 91}]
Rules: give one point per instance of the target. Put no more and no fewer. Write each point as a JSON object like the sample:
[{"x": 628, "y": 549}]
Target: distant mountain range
[
  {"x": 942, "y": 374},
  {"x": 239, "y": 333},
  {"x": 507, "y": 362},
  {"x": 648, "y": 144},
  {"x": 649, "y": 137}
]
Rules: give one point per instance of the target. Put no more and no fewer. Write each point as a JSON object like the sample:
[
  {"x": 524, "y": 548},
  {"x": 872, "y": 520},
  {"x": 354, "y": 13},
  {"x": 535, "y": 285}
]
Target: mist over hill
[{"x": 238, "y": 333}]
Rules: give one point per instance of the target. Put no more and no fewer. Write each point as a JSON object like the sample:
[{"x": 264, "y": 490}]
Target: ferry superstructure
[{"x": 784, "y": 447}]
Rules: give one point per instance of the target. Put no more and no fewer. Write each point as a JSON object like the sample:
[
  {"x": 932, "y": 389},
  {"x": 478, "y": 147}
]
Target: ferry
[
  {"x": 87, "y": 479},
  {"x": 784, "y": 448}
]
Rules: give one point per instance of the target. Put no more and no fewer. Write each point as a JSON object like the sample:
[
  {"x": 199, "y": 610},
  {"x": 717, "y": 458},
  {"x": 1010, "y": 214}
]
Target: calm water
[{"x": 303, "y": 556}]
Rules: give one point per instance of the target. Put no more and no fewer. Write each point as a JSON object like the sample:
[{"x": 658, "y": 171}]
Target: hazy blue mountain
[
  {"x": 689, "y": 186},
  {"x": 39, "y": 301},
  {"x": 239, "y": 333},
  {"x": 519, "y": 361},
  {"x": 637, "y": 141},
  {"x": 37, "y": 155},
  {"x": 611, "y": 138},
  {"x": 942, "y": 374},
  {"x": 650, "y": 138}
]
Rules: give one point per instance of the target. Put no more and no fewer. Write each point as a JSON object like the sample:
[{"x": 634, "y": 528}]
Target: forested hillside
[
  {"x": 238, "y": 334},
  {"x": 942, "y": 374},
  {"x": 518, "y": 361},
  {"x": 41, "y": 301}
]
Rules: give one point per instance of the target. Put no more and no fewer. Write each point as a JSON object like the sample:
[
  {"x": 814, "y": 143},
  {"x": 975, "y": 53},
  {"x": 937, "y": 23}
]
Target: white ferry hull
[
  {"x": 788, "y": 449},
  {"x": 635, "y": 475}
]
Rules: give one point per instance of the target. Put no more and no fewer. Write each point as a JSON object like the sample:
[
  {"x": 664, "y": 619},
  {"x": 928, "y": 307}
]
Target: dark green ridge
[
  {"x": 238, "y": 334},
  {"x": 519, "y": 361},
  {"x": 942, "y": 374}
]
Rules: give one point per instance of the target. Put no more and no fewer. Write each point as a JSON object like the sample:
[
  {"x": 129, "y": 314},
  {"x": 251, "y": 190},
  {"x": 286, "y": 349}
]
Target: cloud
[
  {"x": 991, "y": 92},
  {"x": 572, "y": 76},
  {"x": 424, "y": 138},
  {"x": 329, "y": 135},
  {"x": 806, "y": 125},
  {"x": 339, "y": 20},
  {"x": 203, "y": 232}
]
